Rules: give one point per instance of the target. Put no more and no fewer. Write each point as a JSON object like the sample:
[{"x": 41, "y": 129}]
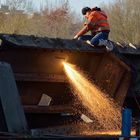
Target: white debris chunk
[
  {"x": 132, "y": 46},
  {"x": 86, "y": 119},
  {"x": 118, "y": 43},
  {"x": 45, "y": 100}
]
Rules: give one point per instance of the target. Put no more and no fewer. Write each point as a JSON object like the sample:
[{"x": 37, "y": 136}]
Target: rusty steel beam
[
  {"x": 48, "y": 109},
  {"x": 40, "y": 77}
]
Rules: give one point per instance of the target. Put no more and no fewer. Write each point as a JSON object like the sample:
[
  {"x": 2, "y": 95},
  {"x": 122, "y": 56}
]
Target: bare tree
[
  {"x": 20, "y": 4},
  {"x": 124, "y": 16},
  {"x": 57, "y": 21},
  {"x": 15, "y": 20}
]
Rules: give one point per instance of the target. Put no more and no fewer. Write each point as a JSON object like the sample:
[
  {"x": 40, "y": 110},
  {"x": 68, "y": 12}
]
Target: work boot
[
  {"x": 89, "y": 43},
  {"x": 107, "y": 43}
]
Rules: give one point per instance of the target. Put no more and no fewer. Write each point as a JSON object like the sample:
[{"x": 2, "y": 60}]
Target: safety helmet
[{"x": 85, "y": 9}]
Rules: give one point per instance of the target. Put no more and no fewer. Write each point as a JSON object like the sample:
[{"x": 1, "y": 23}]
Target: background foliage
[{"x": 60, "y": 21}]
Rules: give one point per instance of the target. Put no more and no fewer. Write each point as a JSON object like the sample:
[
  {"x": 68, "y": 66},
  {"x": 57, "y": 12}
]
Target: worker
[{"x": 97, "y": 23}]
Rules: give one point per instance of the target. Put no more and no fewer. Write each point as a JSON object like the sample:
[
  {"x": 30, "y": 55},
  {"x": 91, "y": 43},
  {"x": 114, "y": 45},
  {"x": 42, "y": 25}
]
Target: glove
[{"x": 76, "y": 37}]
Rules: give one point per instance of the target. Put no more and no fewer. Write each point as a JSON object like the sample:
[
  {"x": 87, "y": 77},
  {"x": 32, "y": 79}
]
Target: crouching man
[{"x": 97, "y": 23}]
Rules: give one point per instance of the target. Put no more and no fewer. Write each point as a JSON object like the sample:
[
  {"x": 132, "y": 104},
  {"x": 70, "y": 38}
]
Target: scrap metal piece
[
  {"x": 132, "y": 46},
  {"x": 45, "y": 100},
  {"x": 86, "y": 119},
  {"x": 118, "y": 43}
]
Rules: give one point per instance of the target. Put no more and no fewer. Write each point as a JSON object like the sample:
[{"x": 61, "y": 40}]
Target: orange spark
[{"x": 98, "y": 103}]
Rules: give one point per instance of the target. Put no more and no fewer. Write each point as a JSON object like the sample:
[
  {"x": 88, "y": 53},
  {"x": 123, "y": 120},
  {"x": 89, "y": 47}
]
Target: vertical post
[
  {"x": 126, "y": 122},
  {"x": 12, "y": 112}
]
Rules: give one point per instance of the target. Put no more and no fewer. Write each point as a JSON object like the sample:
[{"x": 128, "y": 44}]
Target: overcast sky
[
  {"x": 78, "y": 4},
  {"x": 75, "y": 5}
]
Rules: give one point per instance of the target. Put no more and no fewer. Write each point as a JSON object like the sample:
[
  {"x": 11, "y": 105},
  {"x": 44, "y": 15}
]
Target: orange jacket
[{"x": 96, "y": 22}]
